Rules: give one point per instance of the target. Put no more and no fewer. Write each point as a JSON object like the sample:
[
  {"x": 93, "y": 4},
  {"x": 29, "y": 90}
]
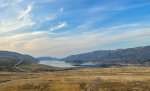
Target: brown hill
[{"x": 138, "y": 55}]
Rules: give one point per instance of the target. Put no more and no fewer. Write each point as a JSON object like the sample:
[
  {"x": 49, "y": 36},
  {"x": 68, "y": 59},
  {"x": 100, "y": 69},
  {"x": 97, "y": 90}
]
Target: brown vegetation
[{"x": 83, "y": 79}]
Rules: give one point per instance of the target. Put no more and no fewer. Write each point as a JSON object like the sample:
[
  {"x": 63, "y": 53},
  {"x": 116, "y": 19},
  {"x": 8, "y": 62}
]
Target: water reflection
[{"x": 57, "y": 63}]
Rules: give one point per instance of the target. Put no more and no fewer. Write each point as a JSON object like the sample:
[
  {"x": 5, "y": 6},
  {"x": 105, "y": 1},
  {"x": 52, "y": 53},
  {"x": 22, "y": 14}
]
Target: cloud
[
  {"x": 21, "y": 37},
  {"x": 130, "y": 7},
  {"x": 25, "y": 35},
  {"x": 116, "y": 7},
  {"x": 31, "y": 43},
  {"x": 25, "y": 13},
  {"x": 124, "y": 26},
  {"x": 61, "y": 9},
  {"x": 44, "y": 1},
  {"x": 5, "y": 3},
  {"x": 18, "y": 21},
  {"x": 17, "y": 41},
  {"x": 59, "y": 26},
  {"x": 63, "y": 46}
]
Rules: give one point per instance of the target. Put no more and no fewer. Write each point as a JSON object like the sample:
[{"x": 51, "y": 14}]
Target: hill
[
  {"x": 138, "y": 55},
  {"x": 13, "y": 61},
  {"x": 47, "y": 58},
  {"x": 9, "y": 59}
]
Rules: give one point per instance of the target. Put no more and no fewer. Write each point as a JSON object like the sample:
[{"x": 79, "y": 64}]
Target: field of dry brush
[{"x": 81, "y": 79}]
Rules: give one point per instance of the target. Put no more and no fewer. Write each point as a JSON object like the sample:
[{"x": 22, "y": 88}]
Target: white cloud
[
  {"x": 5, "y": 3},
  {"x": 25, "y": 13},
  {"x": 61, "y": 9},
  {"x": 44, "y": 1},
  {"x": 25, "y": 35},
  {"x": 30, "y": 43},
  {"x": 124, "y": 26},
  {"x": 21, "y": 37},
  {"x": 64, "y": 46},
  {"x": 59, "y": 26},
  {"x": 130, "y": 7},
  {"x": 17, "y": 41},
  {"x": 40, "y": 43},
  {"x": 116, "y": 7},
  {"x": 12, "y": 23}
]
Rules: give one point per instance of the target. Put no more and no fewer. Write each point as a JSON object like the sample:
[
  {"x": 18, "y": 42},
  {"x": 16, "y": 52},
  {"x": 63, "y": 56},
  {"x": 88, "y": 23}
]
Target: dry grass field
[{"x": 81, "y": 79}]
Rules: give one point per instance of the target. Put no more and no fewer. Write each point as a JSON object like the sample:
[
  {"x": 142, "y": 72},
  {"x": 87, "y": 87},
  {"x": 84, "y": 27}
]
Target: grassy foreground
[{"x": 83, "y": 79}]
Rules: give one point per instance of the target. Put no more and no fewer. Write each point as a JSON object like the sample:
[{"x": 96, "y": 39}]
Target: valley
[
  {"x": 21, "y": 72},
  {"x": 74, "y": 45}
]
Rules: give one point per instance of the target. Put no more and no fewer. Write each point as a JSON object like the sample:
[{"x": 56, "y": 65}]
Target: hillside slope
[
  {"x": 131, "y": 55},
  {"x": 12, "y": 61},
  {"x": 9, "y": 59}
]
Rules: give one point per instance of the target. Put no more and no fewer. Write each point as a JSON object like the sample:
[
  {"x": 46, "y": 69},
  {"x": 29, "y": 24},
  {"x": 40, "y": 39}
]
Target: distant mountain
[
  {"x": 47, "y": 58},
  {"x": 138, "y": 55},
  {"x": 9, "y": 59}
]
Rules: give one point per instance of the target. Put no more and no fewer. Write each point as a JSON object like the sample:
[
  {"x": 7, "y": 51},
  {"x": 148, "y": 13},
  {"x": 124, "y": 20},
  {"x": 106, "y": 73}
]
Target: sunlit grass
[{"x": 83, "y": 79}]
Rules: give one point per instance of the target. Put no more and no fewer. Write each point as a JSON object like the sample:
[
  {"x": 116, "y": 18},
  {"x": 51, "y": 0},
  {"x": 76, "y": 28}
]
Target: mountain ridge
[
  {"x": 47, "y": 58},
  {"x": 136, "y": 55}
]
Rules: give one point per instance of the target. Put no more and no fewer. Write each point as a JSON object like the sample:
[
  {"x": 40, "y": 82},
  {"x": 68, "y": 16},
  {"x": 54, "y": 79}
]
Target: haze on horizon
[{"x": 64, "y": 27}]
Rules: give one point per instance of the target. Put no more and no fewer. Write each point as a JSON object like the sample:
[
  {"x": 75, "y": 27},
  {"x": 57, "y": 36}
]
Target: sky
[{"x": 60, "y": 28}]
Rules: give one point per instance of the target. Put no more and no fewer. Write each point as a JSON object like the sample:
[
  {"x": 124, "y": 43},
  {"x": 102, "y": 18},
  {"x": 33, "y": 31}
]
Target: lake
[{"x": 56, "y": 63}]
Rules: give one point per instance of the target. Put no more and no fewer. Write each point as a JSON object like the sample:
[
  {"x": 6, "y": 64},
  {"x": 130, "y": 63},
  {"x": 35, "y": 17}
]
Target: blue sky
[{"x": 60, "y": 28}]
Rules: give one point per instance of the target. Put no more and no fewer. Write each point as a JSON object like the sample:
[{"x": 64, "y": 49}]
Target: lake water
[{"x": 57, "y": 63}]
